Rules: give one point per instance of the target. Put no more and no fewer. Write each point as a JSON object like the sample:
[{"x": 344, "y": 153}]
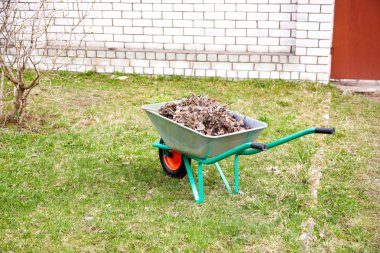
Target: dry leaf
[{"x": 202, "y": 114}]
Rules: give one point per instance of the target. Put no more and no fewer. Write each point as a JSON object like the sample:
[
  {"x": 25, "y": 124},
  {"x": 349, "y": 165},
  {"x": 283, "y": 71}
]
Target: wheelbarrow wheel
[{"x": 172, "y": 162}]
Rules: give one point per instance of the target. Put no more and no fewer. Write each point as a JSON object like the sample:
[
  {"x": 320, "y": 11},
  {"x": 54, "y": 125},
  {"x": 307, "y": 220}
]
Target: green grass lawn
[{"x": 81, "y": 175}]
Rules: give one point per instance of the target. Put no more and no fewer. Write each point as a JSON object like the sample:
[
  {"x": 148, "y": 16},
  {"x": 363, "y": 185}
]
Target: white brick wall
[{"x": 288, "y": 39}]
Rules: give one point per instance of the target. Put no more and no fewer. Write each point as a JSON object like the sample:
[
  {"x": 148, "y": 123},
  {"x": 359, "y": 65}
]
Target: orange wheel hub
[{"x": 173, "y": 162}]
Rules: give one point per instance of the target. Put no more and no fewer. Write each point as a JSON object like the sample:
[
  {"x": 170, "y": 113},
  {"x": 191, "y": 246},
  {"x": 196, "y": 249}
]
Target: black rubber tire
[{"x": 180, "y": 173}]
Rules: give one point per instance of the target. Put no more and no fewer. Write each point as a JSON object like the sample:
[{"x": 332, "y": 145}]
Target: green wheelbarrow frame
[{"x": 244, "y": 149}]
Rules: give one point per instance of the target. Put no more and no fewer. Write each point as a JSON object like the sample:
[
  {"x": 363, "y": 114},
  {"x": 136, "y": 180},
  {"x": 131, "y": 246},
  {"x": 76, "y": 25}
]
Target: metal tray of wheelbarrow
[{"x": 190, "y": 142}]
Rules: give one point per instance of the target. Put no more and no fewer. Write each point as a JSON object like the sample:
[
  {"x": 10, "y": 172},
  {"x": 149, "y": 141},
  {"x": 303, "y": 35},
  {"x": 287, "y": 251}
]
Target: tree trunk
[
  {"x": 1, "y": 93},
  {"x": 19, "y": 104}
]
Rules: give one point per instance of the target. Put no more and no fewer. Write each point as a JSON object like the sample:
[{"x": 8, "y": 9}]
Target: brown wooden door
[{"x": 356, "y": 40}]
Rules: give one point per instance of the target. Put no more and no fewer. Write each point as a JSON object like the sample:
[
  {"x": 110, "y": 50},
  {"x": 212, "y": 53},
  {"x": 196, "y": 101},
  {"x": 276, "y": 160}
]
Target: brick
[
  {"x": 288, "y": 8},
  {"x": 235, "y": 15},
  {"x": 308, "y": 8},
  {"x": 204, "y": 7},
  {"x": 288, "y": 25},
  {"x": 294, "y": 67},
  {"x": 139, "y": 63},
  {"x": 317, "y": 68},
  {"x": 279, "y": 16},
  {"x": 257, "y": 32},
  {"x": 268, "y": 41},
  {"x": 204, "y": 39},
  {"x": 121, "y": 22},
  {"x": 246, "y": 24},
  {"x": 253, "y": 74},
  {"x": 151, "y": 15},
  {"x": 254, "y": 58},
  {"x": 264, "y": 74},
  {"x": 246, "y": 7},
  {"x": 246, "y": 40},
  {"x": 268, "y": 24},
  {"x": 168, "y": 71},
  {"x": 308, "y": 76},
  {"x": 159, "y": 64},
  {"x": 172, "y": 46},
  {"x": 172, "y": 15},
  {"x": 215, "y": 32},
  {"x": 153, "y": 30},
  {"x": 131, "y": 14},
  {"x": 120, "y": 62},
  {"x": 287, "y": 41},
  {"x": 243, "y": 66},
  {"x": 225, "y": 40},
  {"x": 163, "y": 39},
  {"x": 319, "y": 34},
  {"x": 233, "y": 58},
  {"x": 143, "y": 38},
  {"x": 231, "y": 73},
  {"x": 203, "y": 23},
  {"x": 224, "y": 24},
  {"x": 153, "y": 46},
  {"x": 215, "y": 47},
  {"x": 199, "y": 72},
  {"x": 236, "y": 32},
  {"x": 285, "y": 75},
  {"x": 308, "y": 59},
  {"x": 279, "y": 33},
  {"x": 183, "y": 7},
  {"x": 123, "y": 38},
  {"x": 202, "y": 65},
  {"x": 113, "y": 30},
  {"x": 193, "y": 15},
  {"x": 320, "y": 17},
  {"x": 259, "y": 49},
  {"x": 279, "y": 49},
  {"x": 142, "y": 7},
  {"x": 214, "y": 15},
  {"x": 193, "y": 31},
  {"x": 183, "y": 23},
  {"x": 326, "y": 26},
  {"x": 307, "y": 25},
  {"x": 257, "y": 16},
  {"x": 265, "y": 66},
  {"x": 225, "y": 7},
  {"x": 183, "y": 39},
  {"x": 324, "y": 43},
  {"x": 173, "y": 31},
  {"x": 179, "y": 64},
  {"x": 163, "y": 23},
  {"x": 236, "y": 48},
  {"x": 221, "y": 65},
  {"x": 163, "y": 7},
  {"x": 111, "y": 14},
  {"x": 141, "y": 22},
  {"x": 269, "y": 8},
  {"x": 242, "y": 74},
  {"x": 324, "y": 60},
  {"x": 307, "y": 42},
  {"x": 294, "y": 75}
]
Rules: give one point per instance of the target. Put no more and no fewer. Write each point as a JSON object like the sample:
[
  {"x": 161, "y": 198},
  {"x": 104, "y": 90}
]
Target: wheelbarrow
[{"x": 179, "y": 145}]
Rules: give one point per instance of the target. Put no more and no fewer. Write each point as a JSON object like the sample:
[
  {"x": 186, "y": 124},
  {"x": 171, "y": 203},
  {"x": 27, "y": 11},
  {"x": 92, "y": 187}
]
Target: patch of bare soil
[
  {"x": 373, "y": 96},
  {"x": 202, "y": 114}
]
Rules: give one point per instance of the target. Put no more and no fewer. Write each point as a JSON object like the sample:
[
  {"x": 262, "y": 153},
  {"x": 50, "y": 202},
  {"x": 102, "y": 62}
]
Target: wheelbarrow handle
[
  {"x": 324, "y": 130},
  {"x": 259, "y": 146}
]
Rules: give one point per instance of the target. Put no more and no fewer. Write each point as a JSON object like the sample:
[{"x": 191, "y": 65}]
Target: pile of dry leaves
[{"x": 202, "y": 114}]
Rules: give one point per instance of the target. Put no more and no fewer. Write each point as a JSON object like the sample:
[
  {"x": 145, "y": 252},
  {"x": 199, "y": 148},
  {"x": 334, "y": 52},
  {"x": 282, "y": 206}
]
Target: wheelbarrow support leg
[
  {"x": 191, "y": 179},
  {"x": 200, "y": 183},
  {"x": 236, "y": 174},
  {"x": 223, "y": 177}
]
